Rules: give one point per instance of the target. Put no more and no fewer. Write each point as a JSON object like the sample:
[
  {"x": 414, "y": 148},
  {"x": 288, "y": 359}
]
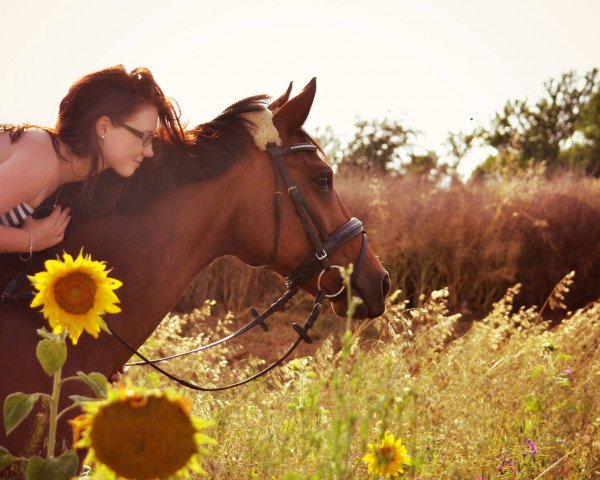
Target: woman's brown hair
[
  {"x": 117, "y": 94},
  {"x": 113, "y": 92}
]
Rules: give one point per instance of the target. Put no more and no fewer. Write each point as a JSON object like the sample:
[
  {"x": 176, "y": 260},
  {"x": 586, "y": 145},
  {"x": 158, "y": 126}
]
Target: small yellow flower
[
  {"x": 74, "y": 294},
  {"x": 141, "y": 435},
  {"x": 387, "y": 458}
]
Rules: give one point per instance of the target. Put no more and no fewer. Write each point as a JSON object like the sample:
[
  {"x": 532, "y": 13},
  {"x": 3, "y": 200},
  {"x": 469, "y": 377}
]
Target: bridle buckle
[{"x": 322, "y": 257}]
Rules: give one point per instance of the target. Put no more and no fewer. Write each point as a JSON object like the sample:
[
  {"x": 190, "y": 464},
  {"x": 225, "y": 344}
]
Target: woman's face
[{"x": 122, "y": 148}]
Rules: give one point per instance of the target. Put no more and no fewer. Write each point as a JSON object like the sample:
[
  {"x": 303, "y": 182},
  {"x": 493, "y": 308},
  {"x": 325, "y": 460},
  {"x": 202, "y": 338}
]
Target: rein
[{"x": 317, "y": 260}]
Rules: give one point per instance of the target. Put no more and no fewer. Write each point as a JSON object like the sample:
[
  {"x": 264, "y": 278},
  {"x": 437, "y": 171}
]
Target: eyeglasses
[{"x": 146, "y": 137}]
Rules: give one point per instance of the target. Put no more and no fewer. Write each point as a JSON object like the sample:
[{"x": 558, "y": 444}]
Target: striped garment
[{"x": 16, "y": 216}]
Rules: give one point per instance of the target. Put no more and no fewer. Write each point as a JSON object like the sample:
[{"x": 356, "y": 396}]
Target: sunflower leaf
[
  {"x": 80, "y": 399},
  {"x": 16, "y": 408},
  {"x": 42, "y": 332},
  {"x": 51, "y": 354},
  {"x": 96, "y": 381},
  {"x": 5, "y": 458},
  {"x": 57, "y": 468}
]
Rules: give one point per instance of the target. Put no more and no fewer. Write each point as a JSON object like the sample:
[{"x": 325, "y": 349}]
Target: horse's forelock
[{"x": 261, "y": 127}]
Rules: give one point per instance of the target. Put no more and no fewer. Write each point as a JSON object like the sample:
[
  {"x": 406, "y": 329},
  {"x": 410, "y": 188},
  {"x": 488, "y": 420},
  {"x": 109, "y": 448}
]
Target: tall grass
[
  {"x": 515, "y": 396},
  {"x": 466, "y": 407},
  {"x": 477, "y": 240}
]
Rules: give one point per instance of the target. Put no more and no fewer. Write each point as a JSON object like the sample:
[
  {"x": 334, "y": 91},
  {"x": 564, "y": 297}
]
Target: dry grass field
[{"x": 494, "y": 374}]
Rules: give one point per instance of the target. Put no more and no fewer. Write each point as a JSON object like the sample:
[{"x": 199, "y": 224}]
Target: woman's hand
[{"x": 48, "y": 231}]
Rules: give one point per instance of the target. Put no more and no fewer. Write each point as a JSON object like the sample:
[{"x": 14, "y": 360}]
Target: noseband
[{"x": 324, "y": 246}]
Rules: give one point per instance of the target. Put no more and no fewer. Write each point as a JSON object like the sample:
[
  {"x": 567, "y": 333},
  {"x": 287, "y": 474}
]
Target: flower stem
[
  {"x": 69, "y": 379},
  {"x": 67, "y": 409},
  {"x": 53, "y": 413}
]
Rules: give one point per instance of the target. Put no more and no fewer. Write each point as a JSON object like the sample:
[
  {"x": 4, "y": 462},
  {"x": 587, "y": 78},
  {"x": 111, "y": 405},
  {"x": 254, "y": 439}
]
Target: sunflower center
[
  {"x": 386, "y": 453},
  {"x": 143, "y": 442},
  {"x": 75, "y": 293}
]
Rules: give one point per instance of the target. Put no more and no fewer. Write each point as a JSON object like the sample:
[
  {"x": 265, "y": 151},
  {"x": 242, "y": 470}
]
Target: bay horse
[{"x": 175, "y": 215}]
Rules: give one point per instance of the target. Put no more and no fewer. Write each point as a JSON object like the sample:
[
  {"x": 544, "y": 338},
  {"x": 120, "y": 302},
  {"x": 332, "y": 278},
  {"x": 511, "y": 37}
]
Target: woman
[{"x": 108, "y": 120}]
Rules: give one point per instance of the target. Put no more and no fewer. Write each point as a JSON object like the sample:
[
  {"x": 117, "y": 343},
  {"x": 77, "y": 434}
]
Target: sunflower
[
  {"x": 141, "y": 434},
  {"x": 74, "y": 294},
  {"x": 387, "y": 458}
]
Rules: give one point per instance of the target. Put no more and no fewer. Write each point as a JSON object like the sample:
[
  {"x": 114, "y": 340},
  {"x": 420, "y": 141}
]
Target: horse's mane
[{"x": 214, "y": 147}]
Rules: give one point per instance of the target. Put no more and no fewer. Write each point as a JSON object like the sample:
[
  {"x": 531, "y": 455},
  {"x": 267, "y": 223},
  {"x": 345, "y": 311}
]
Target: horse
[{"x": 175, "y": 215}]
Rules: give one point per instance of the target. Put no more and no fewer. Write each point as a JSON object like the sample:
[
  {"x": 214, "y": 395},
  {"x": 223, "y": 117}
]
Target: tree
[
  {"x": 379, "y": 145},
  {"x": 541, "y": 133},
  {"x": 427, "y": 166},
  {"x": 584, "y": 152},
  {"x": 383, "y": 147},
  {"x": 331, "y": 144}
]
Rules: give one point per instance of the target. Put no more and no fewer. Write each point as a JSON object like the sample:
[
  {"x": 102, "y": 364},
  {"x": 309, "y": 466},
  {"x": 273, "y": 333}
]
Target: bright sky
[{"x": 436, "y": 64}]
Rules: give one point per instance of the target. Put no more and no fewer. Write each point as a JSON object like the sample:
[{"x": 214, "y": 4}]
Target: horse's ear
[
  {"x": 293, "y": 113},
  {"x": 277, "y": 104}
]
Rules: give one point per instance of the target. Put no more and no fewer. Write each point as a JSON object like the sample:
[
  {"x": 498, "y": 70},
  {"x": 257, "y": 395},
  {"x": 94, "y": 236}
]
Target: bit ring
[{"x": 319, "y": 282}]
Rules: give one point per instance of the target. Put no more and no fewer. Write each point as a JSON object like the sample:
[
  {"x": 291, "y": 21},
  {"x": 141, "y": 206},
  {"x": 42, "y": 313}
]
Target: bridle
[
  {"x": 318, "y": 260},
  {"x": 322, "y": 251}
]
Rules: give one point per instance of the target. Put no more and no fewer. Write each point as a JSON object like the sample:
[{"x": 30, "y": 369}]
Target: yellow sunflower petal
[
  {"x": 112, "y": 309},
  {"x": 73, "y": 293},
  {"x": 386, "y": 458}
]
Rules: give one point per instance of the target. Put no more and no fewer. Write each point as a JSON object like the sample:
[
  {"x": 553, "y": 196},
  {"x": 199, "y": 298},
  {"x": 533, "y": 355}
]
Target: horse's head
[{"x": 306, "y": 229}]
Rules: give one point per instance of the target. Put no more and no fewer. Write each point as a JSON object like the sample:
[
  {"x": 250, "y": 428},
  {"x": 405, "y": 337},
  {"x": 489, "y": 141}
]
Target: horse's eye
[{"x": 325, "y": 182}]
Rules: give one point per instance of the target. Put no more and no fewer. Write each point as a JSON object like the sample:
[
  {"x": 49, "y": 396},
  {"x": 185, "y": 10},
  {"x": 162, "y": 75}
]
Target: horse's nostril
[{"x": 386, "y": 286}]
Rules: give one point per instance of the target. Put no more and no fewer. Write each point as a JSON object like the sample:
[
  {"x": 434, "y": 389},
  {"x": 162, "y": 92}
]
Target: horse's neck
[{"x": 157, "y": 252}]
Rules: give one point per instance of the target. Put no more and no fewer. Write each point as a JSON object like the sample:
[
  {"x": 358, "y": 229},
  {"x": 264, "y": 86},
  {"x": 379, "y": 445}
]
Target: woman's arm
[
  {"x": 13, "y": 239},
  {"x": 45, "y": 233},
  {"x": 28, "y": 174}
]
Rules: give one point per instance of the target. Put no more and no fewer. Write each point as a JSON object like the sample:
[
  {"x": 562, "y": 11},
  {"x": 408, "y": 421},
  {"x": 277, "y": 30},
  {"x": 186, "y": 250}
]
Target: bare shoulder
[
  {"x": 30, "y": 169},
  {"x": 36, "y": 141},
  {"x": 35, "y": 150}
]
